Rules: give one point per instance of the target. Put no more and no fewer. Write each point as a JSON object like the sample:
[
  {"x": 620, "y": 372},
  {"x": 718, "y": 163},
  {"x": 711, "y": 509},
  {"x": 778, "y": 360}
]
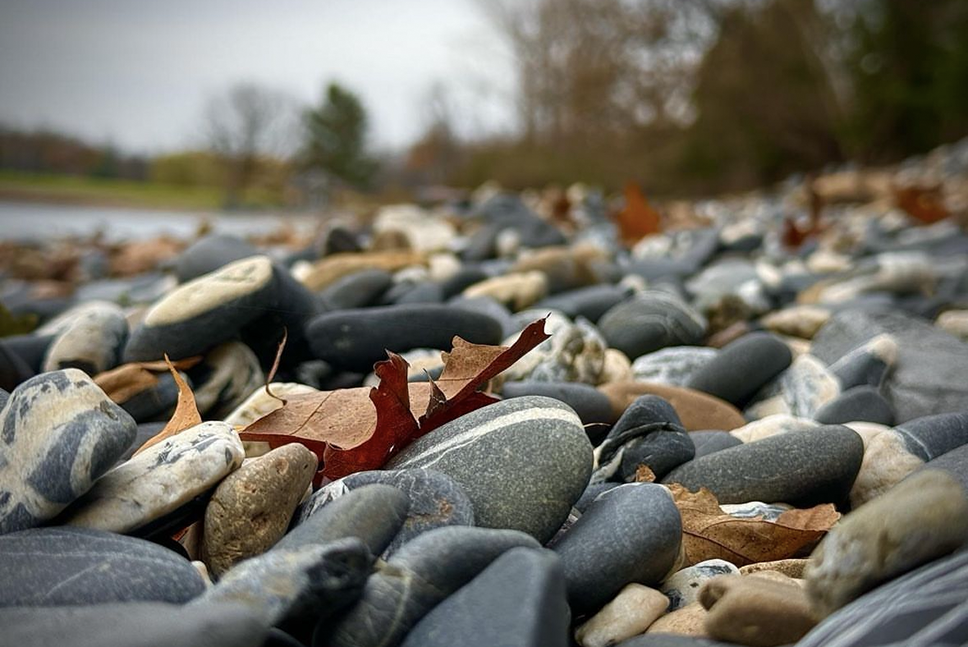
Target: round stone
[
  {"x": 649, "y": 321},
  {"x": 742, "y": 367}
]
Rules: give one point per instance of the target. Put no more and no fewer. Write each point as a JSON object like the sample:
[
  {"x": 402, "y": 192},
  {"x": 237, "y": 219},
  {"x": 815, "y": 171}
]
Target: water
[{"x": 26, "y": 221}]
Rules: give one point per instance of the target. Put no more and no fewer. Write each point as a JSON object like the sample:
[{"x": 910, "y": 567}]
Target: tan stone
[
  {"x": 517, "y": 291},
  {"x": 886, "y": 462},
  {"x": 252, "y": 507},
  {"x": 789, "y": 567},
  {"x": 798, "y": 321},
  {"x": 628, "y": 614},
  {"x": 690, "y": 620},
  {"x": 954, "y": 322},
  {"x": 617, "y": 367},
  {"x": 779, "y": 423},
  {"x": 566, "y": 267},
  {"x": 327, "y": 270},
  {"x": 762, "y": 610},
  {"x": 696, "y": 410}
]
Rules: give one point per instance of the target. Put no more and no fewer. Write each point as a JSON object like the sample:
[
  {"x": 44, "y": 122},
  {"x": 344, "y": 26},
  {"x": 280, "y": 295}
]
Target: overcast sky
[{"x": 138, "y": 73}]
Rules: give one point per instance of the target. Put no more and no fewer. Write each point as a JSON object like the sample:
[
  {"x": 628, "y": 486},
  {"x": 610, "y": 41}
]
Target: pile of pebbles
[{"x": 709, "y": 357}]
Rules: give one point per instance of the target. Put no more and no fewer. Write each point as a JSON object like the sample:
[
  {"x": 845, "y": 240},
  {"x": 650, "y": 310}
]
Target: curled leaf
[{"x": 186, "y": 412}]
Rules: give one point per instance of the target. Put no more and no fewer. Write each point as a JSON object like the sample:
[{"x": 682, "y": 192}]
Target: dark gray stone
[
  {"x": 31, "y": 349},
  {"x": 489, "y": 307},
  {"x": 132, "y": 624},
  {"x": 931, "y": 371},
  {"x": 59, "y": 433},
  {"x": 742, "y": 367},
  {"x": 926, "y": 607},
  {"x": 356, "y": 339},
  {"x": 629, "y": 534},
  {"x": 464, "y": 278},
  {"x": 157, "y": 402},
  {"x": 76, "y": 566},
  {"x": 482, "y": 614},
  {"x": 591, "y": 493},
  {"x": 861, "y": 403},
  {"x": 866, "y": 365},
  {"x": 417, "y": 578},
  {"x": 425, "y": 292},
  {"x": 209, "y": 253},
  {"x": 357, "y": 290},
  {"x": 545, "y": 462},
  {"x": 591, "y": 405},
  {"x": 648, "y": 434},
  {"x": 435, "y": 500},
  {"x": 954, "y": 462},
  {"x": 931, "y": 436},
  {"x": 802, "y": 468},
  {"x": 708, "y": 442},
  {"x": 372, "y": 513},
  {"x": 591, "y": 302},
  {"x": 13, "y": 369},
  {"x": 649, "y": 321}
]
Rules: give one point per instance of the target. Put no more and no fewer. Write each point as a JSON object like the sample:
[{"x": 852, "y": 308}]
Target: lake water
[{"x": 25, "y": 221}]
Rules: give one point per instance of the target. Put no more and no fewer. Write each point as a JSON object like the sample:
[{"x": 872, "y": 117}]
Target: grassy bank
[{"x": 39, "y": 187}]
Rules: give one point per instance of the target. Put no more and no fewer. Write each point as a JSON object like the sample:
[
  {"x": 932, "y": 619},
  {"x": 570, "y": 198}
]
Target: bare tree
[{"x": 245, "y": 124}]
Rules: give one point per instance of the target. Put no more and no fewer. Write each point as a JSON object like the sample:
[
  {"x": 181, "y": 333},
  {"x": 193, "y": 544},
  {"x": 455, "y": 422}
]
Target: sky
[{"x": 138, "y": 74}]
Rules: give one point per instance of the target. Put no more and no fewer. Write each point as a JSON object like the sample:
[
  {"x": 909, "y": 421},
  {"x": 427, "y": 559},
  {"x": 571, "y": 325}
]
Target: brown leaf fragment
[
  {"x": 186, "y": 412},
  {"x": 710, "y": 533},
  {"x": 644, "y": 474},
  {"x": 124, "y": 382},
  {"x": 638, "y": 219}
]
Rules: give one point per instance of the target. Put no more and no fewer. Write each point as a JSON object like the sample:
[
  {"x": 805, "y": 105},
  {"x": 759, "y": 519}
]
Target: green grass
[{"x": 106, "y": 191}]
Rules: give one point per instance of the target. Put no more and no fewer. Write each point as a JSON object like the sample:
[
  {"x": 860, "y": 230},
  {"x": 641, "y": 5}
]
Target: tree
[
  {"x": 244, "y": 125},
  {"x": 335, "y": 138}
]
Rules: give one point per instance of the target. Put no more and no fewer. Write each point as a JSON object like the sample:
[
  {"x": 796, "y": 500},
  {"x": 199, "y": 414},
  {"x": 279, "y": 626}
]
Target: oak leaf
[{"x": 710, "y": 533}]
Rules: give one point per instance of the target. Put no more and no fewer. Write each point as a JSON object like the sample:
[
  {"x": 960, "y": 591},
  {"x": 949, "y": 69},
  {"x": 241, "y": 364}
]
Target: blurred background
[{"x": 302, "y": 104}]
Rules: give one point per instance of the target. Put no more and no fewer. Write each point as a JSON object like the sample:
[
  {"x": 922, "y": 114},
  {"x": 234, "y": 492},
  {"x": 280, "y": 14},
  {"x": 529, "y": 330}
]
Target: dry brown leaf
[
  {"x": 644, "y": 474},
  {"x": 710, "y": 533},
  {"x": 186, "y": 412},
  {"x": 638, "y": 219},
  {"x": 124, "y": 382},
  {"x": 275, "y": 364}
]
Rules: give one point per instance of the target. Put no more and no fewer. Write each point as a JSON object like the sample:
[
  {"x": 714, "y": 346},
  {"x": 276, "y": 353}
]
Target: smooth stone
[
  {"x": 931, "y": 372},
  {"x": 863, "y": 403},
  {"x": 29, "y": 349},
  {"x": 931, "y": 436},
  {"x": 616, "y": 368},
  {"x": 546, "y": 462},
  {"x": 682, "y": 587},
  {"x": 629, "y": 614},
  {"x": 225, "y": 378},
  {"x": 357, "y": 290},
  {"x": 157, "y": 401},
  {"x": 491, "y": 308},
  {"x": 649, "y": 321},
  {"x": 301, "y": 585},
  {"x": 259, "y": 403},
  {"x": 792, "y": 568},
  {"x": 13, "y": 369},
  {"x": 566, "y": 267},
  {"x": 159, "y": 480},
  {"x": 423, "y": 292},
  {"x": 590, "y": 404},
  {"x": 779, "y": 423},
  {"x": 742, "y": 367},
  {"x": 695, "y": 409},
  {"x": 482, "y": 614},
  {"x": 954, "y": 322},
  {"x": 690, "y": 620},
  {"x": 756, "y": 611},
  {"x": 827, "y": 460},
  {"x": 92, "y": 341},
  {"x": 465, "y": 277},
  {"x": 629, "y": 534},
  {"x": 414, "y": 580},
  {"x": 435, "y": 500},
  {"x": 517, "y": 291},
  {"x": 798, "y": 320},
  {"x": 801, "y": 389},
  {"x": 924, "y": 607},
  {"x": 59, "y": 434},
  {"x": 372, "y": 513},
  {"x": 648, "y": 435},
  {"x": 650, "y": 639},
  {"x": 866, "y": 365},
  {"x": 75, "y": 566},
  {"x": 590, "y": 302},
  {"x": 922, "y": 518},
  {"x": 205, "y": 312},
  {"x": 252, "y": 507},
  {"x": 209, "y": 253},
  {"x": 132, "y": 624},
  {"x": 674, "y": 366},
  {"x": 356, "y": 339},
  {"x": 954, "y": 463},
  {"x": 330, "y": 269},
  {"x": 591, "y": 493},
  {"x": 709, "y": 442}
]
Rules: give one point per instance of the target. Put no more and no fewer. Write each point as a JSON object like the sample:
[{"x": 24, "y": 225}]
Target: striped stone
[{"x": 523, "y": 462}]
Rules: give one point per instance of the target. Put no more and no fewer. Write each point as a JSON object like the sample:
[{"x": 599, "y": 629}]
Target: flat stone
[
  {"x": 356, "y": 339},
  {"x": 357, "y": 290},
  {"x": 205, "y": 312},
  {"x": 868, "y": 364},
  {"x": 863, "y": 403},
  {"x": 59, "y": 433},
  {"x": 629, "y": 614},
  {"x": 922, "y": 518},
  {"x": 682, "y": 587},
  {"x": 708, "y": 442},
  {"x": 590, "y": 404},
  {"x": 742, "y": 367},
  {"x": 435, "y": 500},
  {"x": 301, "y": 585},
  {"x": 92, "y": 341},
  {"x": 159, "y": 480},
  {"x": 674, "y": 366},
  {"x": 546, "y": 462},
  {"x": 756, "y": 611},
  {"x": 415, "y": 580},
  {"x": 649, "y": 321},
  {"x": 251, "y": 508},
  {"x": 372, "y": 513},
  {"x": 517, "y": 291},
  {"x": 690, "y": 620},
  {"x": 630, "y": 534},
  {"x": 209, "y": 253},
  {"x": 132, "y": 624},
  {"x": 589, "y": 302},
  {"x": 48, "y": 567},
  {"x": 482, "y": 614},
  {"x": 931, "y": 436},
  {"x": 800, "y": 468},
  {"x": 696, "y": 410}
]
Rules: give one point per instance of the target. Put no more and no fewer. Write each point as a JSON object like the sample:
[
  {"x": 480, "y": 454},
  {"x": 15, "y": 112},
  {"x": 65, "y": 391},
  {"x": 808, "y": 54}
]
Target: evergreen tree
[{"x": 336, "y": 138}]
